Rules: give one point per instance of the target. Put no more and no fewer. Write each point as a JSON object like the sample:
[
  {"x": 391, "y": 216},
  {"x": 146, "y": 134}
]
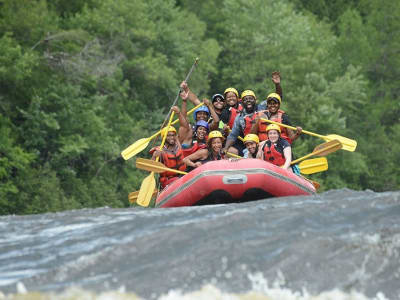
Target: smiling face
[
  {"x": 273, "y": 105},
  {"x": 170, "y": 140},
  {"x": 216, "y": 145},
  {"x": 201, "y": 116},
  {"x": 218, "y": 103},
  {"x": 249, "y": 103},
  {"x": 251, "y": 147},
  {"x": 201, "y": 132},
  {"x": 231, "y": 99},
  {"x": 273, "y": 135}
]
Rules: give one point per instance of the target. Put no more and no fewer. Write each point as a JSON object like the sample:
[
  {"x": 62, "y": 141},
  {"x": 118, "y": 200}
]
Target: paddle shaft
[
  {"x": 148, "y": 184},
  {"x": 179, "y": 91},
  {"x": 294, "y": 128}
]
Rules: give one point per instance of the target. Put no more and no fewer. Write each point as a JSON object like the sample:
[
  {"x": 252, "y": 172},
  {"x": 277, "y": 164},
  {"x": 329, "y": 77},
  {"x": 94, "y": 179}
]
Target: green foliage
[{"x": 82, "y": 80}]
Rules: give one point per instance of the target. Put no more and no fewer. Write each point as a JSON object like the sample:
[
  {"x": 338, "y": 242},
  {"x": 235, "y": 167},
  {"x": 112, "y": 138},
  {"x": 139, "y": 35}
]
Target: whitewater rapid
[{"x": 341, "y": 244}]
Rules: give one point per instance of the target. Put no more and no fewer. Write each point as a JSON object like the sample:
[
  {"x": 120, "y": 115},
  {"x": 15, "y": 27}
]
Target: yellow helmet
[
  {"x": 248, "y": 93},
  {"x": 215, "y": 134},
  {"x": 170, "y": 129},
  {"x": 273, "y": 127},
  {"x": 251, "y": 138},
  {"x": 233, "y": 90},
  {"x": 276, "y": 96}
]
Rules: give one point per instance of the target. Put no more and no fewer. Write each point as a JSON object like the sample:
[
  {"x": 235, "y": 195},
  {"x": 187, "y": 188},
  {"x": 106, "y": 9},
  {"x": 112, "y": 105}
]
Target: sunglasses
[{"x": 219, "y": 100}]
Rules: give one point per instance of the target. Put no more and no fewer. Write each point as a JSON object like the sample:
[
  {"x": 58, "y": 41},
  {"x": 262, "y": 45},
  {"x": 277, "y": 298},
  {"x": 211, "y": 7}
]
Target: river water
[{"x": 341, "y": 244}]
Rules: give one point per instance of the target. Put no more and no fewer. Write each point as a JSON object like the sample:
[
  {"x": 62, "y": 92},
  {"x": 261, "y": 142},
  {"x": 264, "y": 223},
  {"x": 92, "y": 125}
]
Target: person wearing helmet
[
  {"x": 187, "y": 94},
  {"x": 275, "y": 150},
  {"x": 274, "y": 113},
  {"x": 218, "y": 102},
  {"x": 251, "y": 142},
  {"x": 243, "y": 122},
  {"x": 276, "y": 80},
  {"x": 212, "y": 152},
  {"x": 199, "y": 139},
  {"x": 188, "y": 133},
  {"x": 171, "y": 156}
]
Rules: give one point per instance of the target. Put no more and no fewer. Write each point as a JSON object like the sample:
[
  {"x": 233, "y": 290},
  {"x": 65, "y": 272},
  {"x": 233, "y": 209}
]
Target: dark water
[{"x": 342, "y": 244}]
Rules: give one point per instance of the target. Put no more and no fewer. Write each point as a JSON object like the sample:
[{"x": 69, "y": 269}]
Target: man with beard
[
  {"x": 233, "y": 106},
  {"x": 243, "y": 122},
  {"x": 171, "y": 156}
]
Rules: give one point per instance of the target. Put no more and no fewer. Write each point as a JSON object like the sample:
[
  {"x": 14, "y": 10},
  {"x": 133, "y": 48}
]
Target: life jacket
[
  {"x": 273, "y": 153},
  {"x": 173, "y": 160},
  {"x": 195, "y": 146},
  {"x": 262, "y": 127},
  {"x": 233, "y": 112},
  {"x": 248, "y": 121}
]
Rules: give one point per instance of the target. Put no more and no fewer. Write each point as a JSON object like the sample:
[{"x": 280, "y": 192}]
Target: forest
[{"x": 81, "y": 80}]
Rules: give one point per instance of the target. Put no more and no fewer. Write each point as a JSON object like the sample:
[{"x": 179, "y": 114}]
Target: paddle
[
  {"x": 348, "y": 144},
  {"x": 311, "y": 166},
  {"x": 133, "y": 196},
  {"x": 141, "y": 144},
  {"x": 154, "y": 166},
  {"x": 149, "y": 183},
  {"x": 322, "y": 150}
]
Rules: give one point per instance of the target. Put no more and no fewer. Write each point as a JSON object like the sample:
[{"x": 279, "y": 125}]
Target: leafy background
[{"x": 82, "y": 80}]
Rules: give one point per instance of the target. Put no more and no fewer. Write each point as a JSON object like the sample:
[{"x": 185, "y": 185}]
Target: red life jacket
[
  {"x": 249, "y": 121},
  {"x": 262, "y": 128},
  {"x": 195, "y": 146},
  {"x": 233, "y": 113},
  {"x": 272, "y": 154},
  {"x": 173, "y": 160}
]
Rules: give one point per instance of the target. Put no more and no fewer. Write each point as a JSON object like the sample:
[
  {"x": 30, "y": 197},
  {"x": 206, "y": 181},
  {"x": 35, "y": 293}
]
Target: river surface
[{"x": 341, "y": 244}]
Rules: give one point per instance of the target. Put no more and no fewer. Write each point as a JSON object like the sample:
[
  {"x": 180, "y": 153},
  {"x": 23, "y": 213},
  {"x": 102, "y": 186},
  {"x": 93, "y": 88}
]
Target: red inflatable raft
[{"x": 225, "y": 181}]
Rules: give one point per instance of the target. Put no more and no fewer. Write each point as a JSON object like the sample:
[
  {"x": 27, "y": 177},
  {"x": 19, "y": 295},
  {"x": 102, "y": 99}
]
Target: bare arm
[
  {"x": 287, "y": 152},
  {"x": 191, "y": 96},
  {"x": 215, "y": 118},
  {"x": 184, "y": 125},
  {"x": 276, "y": 79},
  {"x": 190, "y": 160},
  {"x": 260, "y": 152}
]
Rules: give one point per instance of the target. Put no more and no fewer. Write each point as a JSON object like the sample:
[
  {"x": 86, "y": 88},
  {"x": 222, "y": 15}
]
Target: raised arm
[
  {"x": 276, "y": 79},
  {"x": 191, "y": 96},
  {"x": 184, "y": 125},
  {"x": 215, "y": 118}
]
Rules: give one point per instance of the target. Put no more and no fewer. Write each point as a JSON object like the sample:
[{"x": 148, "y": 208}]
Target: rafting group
[
  {"x": 227, "y": 126},
  {"x": 230, "y": 126}
]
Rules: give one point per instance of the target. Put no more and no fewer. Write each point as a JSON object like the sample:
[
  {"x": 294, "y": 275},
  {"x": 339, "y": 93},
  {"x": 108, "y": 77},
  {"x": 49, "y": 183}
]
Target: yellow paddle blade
[
  {"x": 311, "y": 166},
  {"x": 146, "y": 190},
  {"x": 133, "y": 196},
  {"x": 328, "y": 147},
  {"x": 348, "y": 144},
  {"x": 135, "y": 148},
  {"x": 233, "y": 155},
  {"x": 154, "y": 166}
]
